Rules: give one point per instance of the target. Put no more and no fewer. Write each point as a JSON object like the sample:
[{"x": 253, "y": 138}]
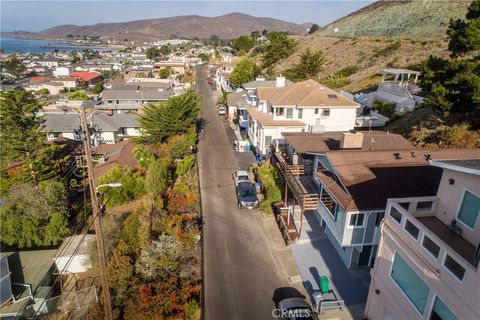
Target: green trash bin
[{"x": 324, "y": 284}]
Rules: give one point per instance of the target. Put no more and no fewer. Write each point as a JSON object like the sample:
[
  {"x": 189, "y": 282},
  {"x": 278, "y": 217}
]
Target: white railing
[
  {"x": 403, "y": 90},
  {"x": 413, "y": 212}
]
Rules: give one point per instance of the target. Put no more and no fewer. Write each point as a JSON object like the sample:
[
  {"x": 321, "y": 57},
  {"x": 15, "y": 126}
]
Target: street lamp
[{"x": 110, "y": 185}]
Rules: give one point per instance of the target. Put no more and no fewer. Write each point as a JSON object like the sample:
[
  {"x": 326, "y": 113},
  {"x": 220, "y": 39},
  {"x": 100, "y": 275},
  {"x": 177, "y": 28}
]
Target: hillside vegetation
[
  {"x": 363, "y": 58},
  {"x": 413, "y": 19}
]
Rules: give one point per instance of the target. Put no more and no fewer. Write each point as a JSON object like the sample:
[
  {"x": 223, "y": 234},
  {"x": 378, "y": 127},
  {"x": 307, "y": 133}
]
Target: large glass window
[
  {"x": 279, "y": 111},
  {"x": 356, "y": 220},
  {"x": 469, "y": 209},
  {"x": 440, "y": 311},
  {"x": 410, "y": 283},
  {"x": 325, "y": 112},
  {"x": 431, "y": 246},
  {"x": 454, "y": 267}
]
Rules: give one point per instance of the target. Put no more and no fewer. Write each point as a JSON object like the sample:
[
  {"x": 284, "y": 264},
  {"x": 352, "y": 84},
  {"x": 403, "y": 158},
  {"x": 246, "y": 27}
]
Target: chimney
[
  {"x": 280, "y": 82},
  {"x": 351, "y": 140}
]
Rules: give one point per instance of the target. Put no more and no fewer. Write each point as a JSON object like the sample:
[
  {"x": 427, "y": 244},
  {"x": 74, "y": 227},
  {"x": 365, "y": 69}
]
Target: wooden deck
[{"x": 299, "y": 181}]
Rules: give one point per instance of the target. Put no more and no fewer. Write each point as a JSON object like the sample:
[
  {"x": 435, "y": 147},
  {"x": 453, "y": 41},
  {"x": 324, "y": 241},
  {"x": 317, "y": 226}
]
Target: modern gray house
[
  {"x": 108, "y": 128},
  {"x": 133, "y": 96},
  {"x": 344, "y": 179}
]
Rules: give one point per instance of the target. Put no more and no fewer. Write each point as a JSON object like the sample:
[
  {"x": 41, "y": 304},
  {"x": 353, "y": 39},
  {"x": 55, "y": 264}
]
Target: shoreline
[{"x": 61, "y": 41}]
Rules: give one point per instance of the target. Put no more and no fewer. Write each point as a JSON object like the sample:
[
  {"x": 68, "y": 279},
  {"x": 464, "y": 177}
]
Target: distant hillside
[
  {"x": 411, "y": 19},
  {"x": 224, "y": 27}
]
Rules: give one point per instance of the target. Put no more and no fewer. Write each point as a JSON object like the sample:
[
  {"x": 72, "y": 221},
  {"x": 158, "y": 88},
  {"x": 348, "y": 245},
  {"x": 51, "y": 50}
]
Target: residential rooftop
[
  {"x": 368, "y": 178},
  {"x": 266, "y": 119},
  {"x": 70, "y": 122},
  {"x": 305, "y": 94},
  {"x": 305, "y": 142}
]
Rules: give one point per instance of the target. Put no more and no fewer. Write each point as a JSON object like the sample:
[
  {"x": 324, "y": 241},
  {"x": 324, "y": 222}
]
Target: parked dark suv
[{"x": 247, "y": 197}]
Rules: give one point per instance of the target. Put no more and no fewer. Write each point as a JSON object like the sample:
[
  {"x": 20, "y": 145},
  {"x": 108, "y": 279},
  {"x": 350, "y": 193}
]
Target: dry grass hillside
[
  {"x": 369, "y": 55},
  {"x": 412, "y": 19},
  {"x": 228, "y": 26}
]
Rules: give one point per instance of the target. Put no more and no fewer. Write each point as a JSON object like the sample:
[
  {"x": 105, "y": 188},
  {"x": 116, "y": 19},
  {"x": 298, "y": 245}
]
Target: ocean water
[{"x": 10, "y": 45}]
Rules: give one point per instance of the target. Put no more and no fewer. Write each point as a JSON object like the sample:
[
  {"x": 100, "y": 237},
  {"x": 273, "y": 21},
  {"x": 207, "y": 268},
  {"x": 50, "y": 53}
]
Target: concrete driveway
[{"x": 241, "y": 272}]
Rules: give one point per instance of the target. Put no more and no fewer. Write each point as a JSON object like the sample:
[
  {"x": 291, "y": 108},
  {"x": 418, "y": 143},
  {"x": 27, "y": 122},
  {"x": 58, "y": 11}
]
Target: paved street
[{"x": 240, "y": 271}]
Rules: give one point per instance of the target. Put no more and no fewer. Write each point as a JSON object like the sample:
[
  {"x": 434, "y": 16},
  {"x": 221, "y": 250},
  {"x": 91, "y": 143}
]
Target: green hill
[{"x": 412, "y": 19}]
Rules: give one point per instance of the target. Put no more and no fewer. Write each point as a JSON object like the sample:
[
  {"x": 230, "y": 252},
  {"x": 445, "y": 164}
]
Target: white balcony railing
[{"x": 413, "y": 210}]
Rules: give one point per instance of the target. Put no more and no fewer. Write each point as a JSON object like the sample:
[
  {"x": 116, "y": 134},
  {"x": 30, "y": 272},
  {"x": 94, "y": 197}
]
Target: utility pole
[{"x": 96, "y": 214}]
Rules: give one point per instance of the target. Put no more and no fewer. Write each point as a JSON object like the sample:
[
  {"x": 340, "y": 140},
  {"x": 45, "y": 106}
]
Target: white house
[
  {"x": 73, "y": 260},
  {"x": 62, "y": 71},
  {"x": 306, "y": 106}
]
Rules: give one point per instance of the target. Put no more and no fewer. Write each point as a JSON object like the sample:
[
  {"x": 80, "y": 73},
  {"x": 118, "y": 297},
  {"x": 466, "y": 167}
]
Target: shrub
[
  {"x": 347, "y": 71},
  {"x": 133, "y": 185},
  {"x": 458, "y": 136},
  {"x": 387, "y": 109},
  {"x": 388, "y": 49},
  {"x": 268, "y": 177},
  {"x": 77, "y": 96},
  {"x": 157, "y": 179},
  {"x": 184, "y": 165}
]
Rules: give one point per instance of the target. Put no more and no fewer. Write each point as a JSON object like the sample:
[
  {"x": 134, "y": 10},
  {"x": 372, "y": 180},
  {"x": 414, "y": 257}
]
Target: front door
[{"x": 364, "y": 259}]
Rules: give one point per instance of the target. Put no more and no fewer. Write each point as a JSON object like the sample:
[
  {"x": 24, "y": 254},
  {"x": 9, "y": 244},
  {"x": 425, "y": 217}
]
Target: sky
[{"x": 37, "y": 15}]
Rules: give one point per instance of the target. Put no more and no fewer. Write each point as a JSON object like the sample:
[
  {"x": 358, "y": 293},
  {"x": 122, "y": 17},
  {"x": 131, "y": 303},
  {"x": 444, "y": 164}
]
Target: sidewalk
[{"x": 315, "y": 256}]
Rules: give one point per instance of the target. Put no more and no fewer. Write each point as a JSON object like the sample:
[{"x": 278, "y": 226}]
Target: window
[
  {"x": 300, "y": 113},
  {"x": 424, "y": 205},
  {"x": 410, "y": 283},
  {"x": 279, "y": 111},
  {"x": 441, "y": 312},
  {"x": 289, "y": 113},
  {"x": 329, "y": 203},
  {"x": 316, "y": 111},
  {"x": 454, "y": 267},
  {"x": 412, "y": 229},
  {"x": 395, "y": 214},
  {"x": 332, "y": 96},
  {"x": 431, "y": 246},
  {"x": 268, "y": 141},
  {"x": 325, "y": 112},
  {"x": 469, "y": 209},
  {"x": 356, "y": 220}
]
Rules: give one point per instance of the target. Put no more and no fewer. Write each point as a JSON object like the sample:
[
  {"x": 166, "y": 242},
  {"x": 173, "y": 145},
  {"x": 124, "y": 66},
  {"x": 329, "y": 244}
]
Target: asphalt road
[{"x": 240, "y": 271}]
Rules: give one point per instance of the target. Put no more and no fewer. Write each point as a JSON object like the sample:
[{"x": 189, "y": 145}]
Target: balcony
[
  {"x": 415, "y": 219},
  {"x": 299, "y": 180}
]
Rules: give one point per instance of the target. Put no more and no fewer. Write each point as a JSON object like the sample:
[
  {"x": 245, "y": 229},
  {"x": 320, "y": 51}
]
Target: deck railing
[{"x": 292, "y": 173}]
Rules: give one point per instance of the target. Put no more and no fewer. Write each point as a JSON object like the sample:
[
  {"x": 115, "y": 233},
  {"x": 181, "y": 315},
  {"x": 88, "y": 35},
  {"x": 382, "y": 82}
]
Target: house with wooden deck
[{"x": 345, "y": 178}]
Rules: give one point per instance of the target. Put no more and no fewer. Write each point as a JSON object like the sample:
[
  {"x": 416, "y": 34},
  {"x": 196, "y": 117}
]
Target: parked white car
[
  {"x": 240, "y": 176},
  {"x": 222, "y": 110}
]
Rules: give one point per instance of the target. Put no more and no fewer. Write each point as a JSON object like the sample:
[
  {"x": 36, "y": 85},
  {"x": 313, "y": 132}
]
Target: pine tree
[
  {"x": 176, "y": 116},
  {"x": 23, "y": 138}
]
